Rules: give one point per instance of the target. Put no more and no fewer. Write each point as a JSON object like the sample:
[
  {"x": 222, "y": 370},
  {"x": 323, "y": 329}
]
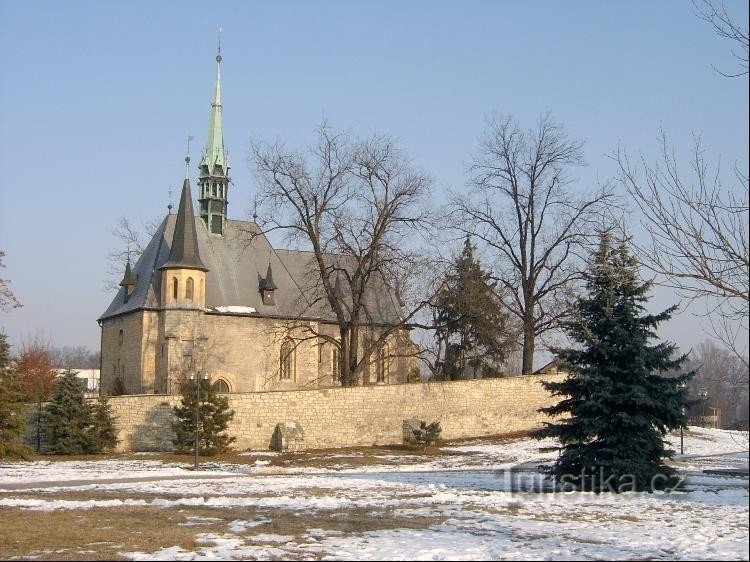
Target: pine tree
[
  {"x": 67, "y": 418},
  {"x": 12, "y": 407},
  {"x": 617, "y": 403},
  {"x": 102, "y": 433},
  {"x": 213, "y": 419},
  {"x": 472, "y": 324}
]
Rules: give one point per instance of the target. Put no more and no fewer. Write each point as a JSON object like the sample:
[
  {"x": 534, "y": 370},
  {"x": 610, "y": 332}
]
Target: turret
[{"x": 183, "y": 282}]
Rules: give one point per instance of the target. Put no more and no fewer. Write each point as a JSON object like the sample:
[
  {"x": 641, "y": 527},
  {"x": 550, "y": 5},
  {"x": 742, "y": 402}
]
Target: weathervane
[{"x": 218, "y": 56}]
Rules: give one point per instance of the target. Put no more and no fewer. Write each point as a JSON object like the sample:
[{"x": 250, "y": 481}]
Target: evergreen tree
[
  {"x": 12, "y": 407},
  {"x": 213, "y": 419},
  {"x": 617, "y": 402},
  {"x": 471, "y": 322},
  {"x": 67, "y": 418},
  {"x": 102, "y": 432}
]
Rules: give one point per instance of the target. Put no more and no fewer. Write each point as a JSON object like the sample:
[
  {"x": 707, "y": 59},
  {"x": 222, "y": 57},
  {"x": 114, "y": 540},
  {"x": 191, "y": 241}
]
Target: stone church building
[{"x": 209, "y": 294}]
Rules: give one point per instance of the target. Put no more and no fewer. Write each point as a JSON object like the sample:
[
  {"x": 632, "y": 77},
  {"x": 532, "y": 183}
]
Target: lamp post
[
  {"x": 682, "y": 409},
  {"x": 197, "y": 379},
  {"x": 704, "y": 396}
]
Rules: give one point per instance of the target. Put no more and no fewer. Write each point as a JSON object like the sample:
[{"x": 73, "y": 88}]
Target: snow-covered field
[{"x": 466, "y": 505}]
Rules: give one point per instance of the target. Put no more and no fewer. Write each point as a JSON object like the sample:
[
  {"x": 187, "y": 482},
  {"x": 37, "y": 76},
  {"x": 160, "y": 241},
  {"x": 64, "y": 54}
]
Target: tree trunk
[
  {"x": 527, "y": 362},
  {"x": 39, "y": 426}
]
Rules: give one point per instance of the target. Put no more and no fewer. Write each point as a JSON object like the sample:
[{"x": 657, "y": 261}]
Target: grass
[{"x": 101, "y": 533}]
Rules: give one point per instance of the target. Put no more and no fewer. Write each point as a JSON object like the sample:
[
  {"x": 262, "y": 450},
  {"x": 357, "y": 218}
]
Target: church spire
[
  {"x": 184, "y": 252},
  {"x": 214, "y": 165}
]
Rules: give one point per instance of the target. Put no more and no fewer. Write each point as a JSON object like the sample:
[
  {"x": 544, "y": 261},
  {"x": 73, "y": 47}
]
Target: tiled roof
[{"x": 236, "y": 267}]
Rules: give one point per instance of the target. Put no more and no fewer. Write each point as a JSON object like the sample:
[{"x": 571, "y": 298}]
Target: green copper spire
[
  {"x": 215, "y": 154},
  {"x": 214, "y": 178}
]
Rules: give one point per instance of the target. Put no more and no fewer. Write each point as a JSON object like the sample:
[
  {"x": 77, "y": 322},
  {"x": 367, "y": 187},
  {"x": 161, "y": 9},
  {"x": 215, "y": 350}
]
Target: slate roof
[
  {"x": 235, "y": 270},
  {"x": 184, "y": 253}
]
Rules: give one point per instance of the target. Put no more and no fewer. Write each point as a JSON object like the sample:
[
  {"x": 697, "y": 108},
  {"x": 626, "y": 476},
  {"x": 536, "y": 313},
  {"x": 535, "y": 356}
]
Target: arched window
[
  {"x": 120, "y": 337},
  {"x": 287, "y": 360},
  {"x": 382, "y": 366},
  {"x": 174, "y": 288},
  {"x": 189, "y": 289},
  {"x": 214, "y": 189},
  {"x": 335, "y": 367},
  {"x": 221, "y": 386},
  {"x": 202, "y": 295}
]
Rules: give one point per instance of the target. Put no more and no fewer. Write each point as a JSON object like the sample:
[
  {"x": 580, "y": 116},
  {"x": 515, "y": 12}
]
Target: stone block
[{"x": 288, "y": 436}]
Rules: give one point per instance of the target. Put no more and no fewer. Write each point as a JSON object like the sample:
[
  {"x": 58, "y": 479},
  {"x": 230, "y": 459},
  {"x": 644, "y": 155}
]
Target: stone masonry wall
[{"x": 358, "y": 416}]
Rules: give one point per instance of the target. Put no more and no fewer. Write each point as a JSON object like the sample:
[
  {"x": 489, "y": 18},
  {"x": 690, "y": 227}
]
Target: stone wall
[{"x": 358, "y": 416}]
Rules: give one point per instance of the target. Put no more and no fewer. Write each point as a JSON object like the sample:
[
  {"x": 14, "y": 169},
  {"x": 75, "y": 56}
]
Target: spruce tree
[
  {"x": 67, "y": 418},
  {"x": 471, "y": 321},
  {"x": 12, "y": 407},
  {"x": 617, "y": 403},
  {"x": 213, "y": 419},
  {"x": 102, "y": 433}
]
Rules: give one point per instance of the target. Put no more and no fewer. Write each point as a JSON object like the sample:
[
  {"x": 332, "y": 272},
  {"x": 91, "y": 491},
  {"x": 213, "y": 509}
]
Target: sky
[{"x": 98, "y": 98}]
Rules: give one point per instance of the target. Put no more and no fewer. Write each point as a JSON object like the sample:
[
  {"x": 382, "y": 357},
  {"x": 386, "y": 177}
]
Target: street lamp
[
  {"x": 704, "y": 396},
  {"x": 682, "y": 409},
  {"x": 197, "y": 379}
]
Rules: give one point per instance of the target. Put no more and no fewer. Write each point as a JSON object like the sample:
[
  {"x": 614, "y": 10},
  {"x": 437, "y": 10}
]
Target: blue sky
[{"x": 97, "y": 98}]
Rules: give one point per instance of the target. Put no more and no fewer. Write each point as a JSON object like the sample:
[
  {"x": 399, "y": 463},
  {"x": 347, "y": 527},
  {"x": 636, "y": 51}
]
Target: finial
[
  {"x": 169, "y": 206},
  {"x": 255, "y": 217},
  {"x": 187, "y": 157},
  {"x": 218, "y": 56}
]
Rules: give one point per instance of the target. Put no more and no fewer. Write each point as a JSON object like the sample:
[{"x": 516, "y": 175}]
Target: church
[{"x": 209, "y": 295}]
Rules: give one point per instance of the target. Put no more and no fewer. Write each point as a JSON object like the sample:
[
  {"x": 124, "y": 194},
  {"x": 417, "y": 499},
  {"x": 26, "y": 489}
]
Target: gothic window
[
  {"x": 189, "y": 289},
  {"x": 120, "y": 338},
  {"x": 287, "y": 360},
  {"x": 174, "y": 288},
  {"x": 214, "y": 189},
  {"x": 221, "y": 386},
  {"x": 335, "y": 368},
  {"x": 381, "y": 368},
  {"x": 202, "y": 295}
]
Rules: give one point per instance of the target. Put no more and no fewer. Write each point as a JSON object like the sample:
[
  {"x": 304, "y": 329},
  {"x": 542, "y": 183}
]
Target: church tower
[
  {"x": 184, "y": 275},
  {"x": 213, "y": 179}
]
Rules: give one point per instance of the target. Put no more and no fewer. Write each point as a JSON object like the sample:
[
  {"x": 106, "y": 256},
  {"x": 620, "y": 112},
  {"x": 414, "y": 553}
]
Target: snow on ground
[
  {"x": 472, "y": 506},
  {"x": 48, "y": 471}
]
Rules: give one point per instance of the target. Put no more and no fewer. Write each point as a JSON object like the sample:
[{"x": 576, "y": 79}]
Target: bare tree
[
  {"x": 74, "y": 357},
  {"x": 37, "y": 373},
  {"x": 698, "y": 235},
  {"x": 131, "y": 242},
  {"x": 725, "y": 27},
  {"x": 8, "y": 300},
  {"x": 354, "y": 203},
  {"x": 521, "y": 208},
  {"x": 720, "y": 382}
]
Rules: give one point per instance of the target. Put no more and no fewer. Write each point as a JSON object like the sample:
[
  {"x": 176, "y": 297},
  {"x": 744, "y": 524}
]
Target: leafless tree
[
  {"x": 37, "y": 372},
  {"x": 721, "y": 382},
  {"x": 131, "y": 242},
  {"x": 521, "y": 207},
  {"x": 74, "y": 357},
  {"x": 354, "y": 203},
  {"x": 8, "y": 300},
  {"x": 725, "y": 27},
  {"x": 698, "y": 235}
]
